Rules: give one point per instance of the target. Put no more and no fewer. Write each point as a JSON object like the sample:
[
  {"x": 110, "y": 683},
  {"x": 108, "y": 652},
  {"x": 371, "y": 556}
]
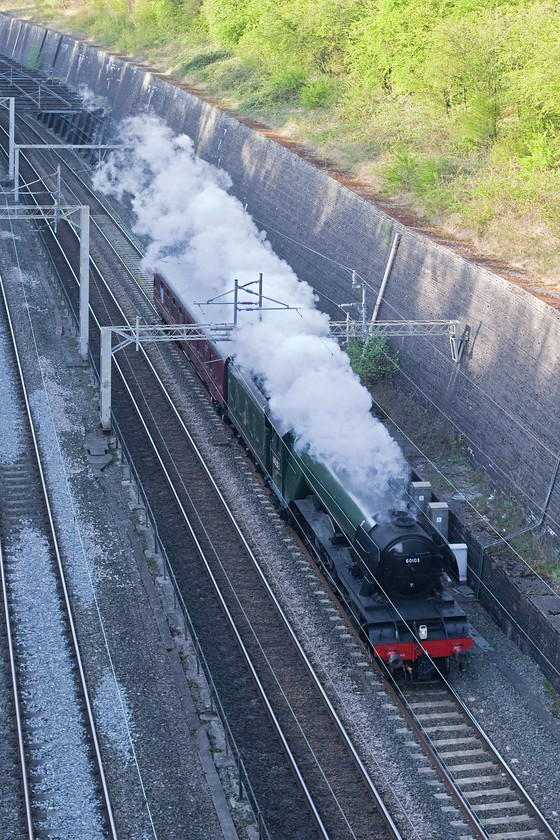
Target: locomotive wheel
[{"x": 444, "y": 665}]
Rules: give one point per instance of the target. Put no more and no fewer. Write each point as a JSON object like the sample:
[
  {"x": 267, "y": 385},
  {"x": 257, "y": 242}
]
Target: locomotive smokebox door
[{"x": 400, "y": 555}]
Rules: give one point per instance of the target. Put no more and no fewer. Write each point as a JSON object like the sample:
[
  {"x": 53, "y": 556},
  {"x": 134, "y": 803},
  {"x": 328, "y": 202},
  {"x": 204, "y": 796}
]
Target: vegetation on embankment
[{"x": 448, "y": 109}]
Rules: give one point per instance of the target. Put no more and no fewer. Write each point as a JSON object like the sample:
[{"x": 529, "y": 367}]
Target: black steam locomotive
[{"x": 389, "y": 568}]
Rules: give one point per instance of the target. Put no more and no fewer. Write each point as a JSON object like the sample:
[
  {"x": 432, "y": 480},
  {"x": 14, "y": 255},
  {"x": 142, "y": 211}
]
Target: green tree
[
  {"x": 309, "y": 35},
  {"x": 372, "y": 360},
  {"x": 228, "y": 20},
  {"x": 387, "y": 44},
  {"x": 464, "y": 68},
  {"x": 533, "y": 53}
]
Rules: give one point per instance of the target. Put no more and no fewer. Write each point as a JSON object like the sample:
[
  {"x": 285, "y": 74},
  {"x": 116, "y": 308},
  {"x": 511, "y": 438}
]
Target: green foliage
[
  {"x": 277, "y": 89},
  {"x": 388, "y": 44},
  {"x": 283, "y": 34},
  {"x": 228, "y": 20},
  {"x": 187, "y": 14},
  {"x": 541, "y": 147},
  {"x": 430, "y": 180},
  {"x": 285, "y": 85},
  {"x": 553, "y": 698},
  {"x": 464, "y": 70},
  {"x": 372, "y": 360},
  {"x": 32, "y": 61},
  {"x": 490, "y": 66},
  {"x": 319, "y": 93},
  {"x": 533, "y": 56},
  {"x": 451, "y": 105},
  {"x": 404, "y": 173},
  {"x": 134, "y": 26}
]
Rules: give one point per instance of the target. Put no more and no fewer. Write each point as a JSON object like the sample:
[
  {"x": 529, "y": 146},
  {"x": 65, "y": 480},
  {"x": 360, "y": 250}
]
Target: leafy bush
[
  {"x": 228, "y": 20},
  {"x": 285, "y": 86},
  {"x": 455, "y": 105},
  {"x": 318, "y": 94},
  {"x": 388, "y": 42},
  {"x": 372, "y": 360},
  {"x": 32, "y": 61},
  {"x": 433, "y": 181}
]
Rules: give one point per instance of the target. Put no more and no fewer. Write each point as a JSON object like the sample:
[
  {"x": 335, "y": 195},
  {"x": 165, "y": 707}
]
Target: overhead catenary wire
[
  {"x": 401, "y": 316},
  {"x": 507, "y": 478},
  {"x": 505, "y": 475},
  {"x": 492, "y": 595},
  {"x": 348, "y": 269},
  {"x": 533, "y": 437},
  {"x": 326, "y": 345}
]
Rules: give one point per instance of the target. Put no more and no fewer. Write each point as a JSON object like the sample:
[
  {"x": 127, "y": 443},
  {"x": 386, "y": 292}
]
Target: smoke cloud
[
  {"x": 202, "y": 239},
  {"x": 90, "y": 100}
]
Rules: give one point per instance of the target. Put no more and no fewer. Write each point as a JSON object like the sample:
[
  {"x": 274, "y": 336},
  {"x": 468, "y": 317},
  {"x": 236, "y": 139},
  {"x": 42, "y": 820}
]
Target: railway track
[
  {"x": 59, "y": 763},
  {"x": 200, "y": 548},
  {"x": 260, "y": 662},
  {"x": 10, "y": 757},
  {"x": 344, "y": 798},
  {"x": 489, "y": 795}
]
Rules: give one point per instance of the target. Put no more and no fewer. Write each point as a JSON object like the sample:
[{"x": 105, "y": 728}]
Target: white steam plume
[
  {"x": 90, "y": 100},
  {"x": 202, "y": 240}
]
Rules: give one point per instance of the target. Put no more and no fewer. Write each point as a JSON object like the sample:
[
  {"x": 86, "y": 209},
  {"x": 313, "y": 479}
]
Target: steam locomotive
[{"x": 389, "y": 568}]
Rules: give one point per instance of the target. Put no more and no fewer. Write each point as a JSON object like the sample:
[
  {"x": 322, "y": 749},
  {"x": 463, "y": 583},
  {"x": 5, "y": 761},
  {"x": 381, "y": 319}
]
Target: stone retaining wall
[{"x": 520, "y": 603}]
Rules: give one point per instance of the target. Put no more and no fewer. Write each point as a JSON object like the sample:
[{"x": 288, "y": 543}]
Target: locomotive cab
[{"x": 399, "y": 557}]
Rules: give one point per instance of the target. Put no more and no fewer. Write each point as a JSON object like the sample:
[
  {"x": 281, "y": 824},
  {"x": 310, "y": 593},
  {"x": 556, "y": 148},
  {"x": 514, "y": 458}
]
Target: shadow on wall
[{"x": 504, "y": 393}]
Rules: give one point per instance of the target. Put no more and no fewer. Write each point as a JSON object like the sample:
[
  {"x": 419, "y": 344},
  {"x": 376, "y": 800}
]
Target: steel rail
[
  {"x": 227, "y": 612},
  {"x": 440, "y": 766},
  {"x": 15, "y": 692},
  {"x": 96, "y": 197},
  {"x": 334, "y": 715},
  {"x": 379, "y": 802},
  {"x": 133, "y": 244},
  {"x": 459, "y": 799},
  {"x": 64, "y": 588},
  {"x": 328, "y": 704},
  {"x": 199, "y": 652},
  {"x": 13, "y": 669},
  {"x": 245, "y": 653},
  {"x": 435, "y": 328},
  {"x": 472, "y": 821},
  {"x": 444, "y": 327},
  {"x": 38, "y": 84},
  {"x": 242, "y": 647},
  {"x": 416, "y": 728}
]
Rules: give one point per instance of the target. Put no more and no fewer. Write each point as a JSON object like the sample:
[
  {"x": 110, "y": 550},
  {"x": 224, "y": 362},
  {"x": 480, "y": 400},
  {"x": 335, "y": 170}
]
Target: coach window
[{"x": 161, "y": 290}]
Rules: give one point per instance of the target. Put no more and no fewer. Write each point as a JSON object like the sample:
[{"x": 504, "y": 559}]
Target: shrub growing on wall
[{"x": 372, "y": 360}]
